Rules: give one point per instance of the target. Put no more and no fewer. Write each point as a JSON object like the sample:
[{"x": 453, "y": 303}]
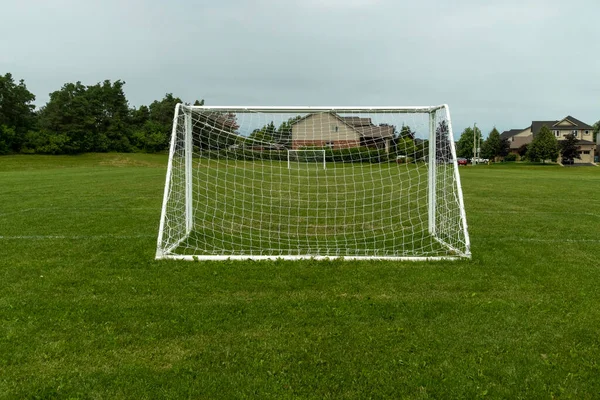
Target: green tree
[
  {"x": 7, "y": 139},
  {"x": 406, "y": 131},
  {"x": 464, "y": 146},
  {"x": 44, "y": 142},
  {"x": 494, "y": 146},
  {"x": 139, "y": 117},
  {"x": 543, "y": 147},
  {"x": 442, "y": 144},
  {"x": 150, "y": 138},
  {"x": 283, "y": 134},
  {"x": 162, "y": 112},
  {"x": 110, "y": 110},
  {"x": 568, "y": 147},
  {"x": 16, "y": 113},
  {"x": 68, "y": 112},
  {"x": 404, "y": 146},
  {"x": 596, "y": 130},
  {"x": 152, "y": 125},
  {"x": 93, "y": 118},
  {"x": 263, "y": 136}
]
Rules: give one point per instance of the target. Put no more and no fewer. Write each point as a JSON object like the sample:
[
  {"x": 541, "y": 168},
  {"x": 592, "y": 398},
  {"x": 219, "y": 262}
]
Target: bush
[{"x": 510, "y": 157}]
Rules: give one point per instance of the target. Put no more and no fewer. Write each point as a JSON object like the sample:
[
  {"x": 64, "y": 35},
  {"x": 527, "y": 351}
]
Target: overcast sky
[{"x": 497, "y": 63}]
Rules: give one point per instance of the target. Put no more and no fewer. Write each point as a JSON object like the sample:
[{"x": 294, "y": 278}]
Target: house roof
[
  {"x": 386, "y": 131},
  {"x": 584, "y": 142},
  {"x": 357, "y": 121},
  {"x": 578, "y": 123},
  {"x": 537, "y": 125},
  {"x": 553, "y": 125},
  {"x": 510, "y": 133}
]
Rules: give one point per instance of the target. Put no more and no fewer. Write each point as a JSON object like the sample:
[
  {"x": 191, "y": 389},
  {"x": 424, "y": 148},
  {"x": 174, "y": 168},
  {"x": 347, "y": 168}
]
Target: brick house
[{"x": 331, "y": 130}]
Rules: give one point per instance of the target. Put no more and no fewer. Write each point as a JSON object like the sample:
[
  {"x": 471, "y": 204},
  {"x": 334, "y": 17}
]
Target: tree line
[
  {"x": 79, "y": 118},
  {"x": 97, "y": 118}
]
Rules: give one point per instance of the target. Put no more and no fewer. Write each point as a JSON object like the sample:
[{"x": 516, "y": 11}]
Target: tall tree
[
  {"x": 442, "y": 145},
  {"x": 68, "y": 112},
  {"x": 283, "y": 134},
  {"x": 406, "y": 131},
  {"x": 263, "y": 136},
  {"x": 16, "y": 112},
  {"x": 596, "y": 130},
  {"x": 494, "y": 146},
  {"x": 93, "y": 118},
  {"x": 543, "y": 147},
  {"x": 464, "y": 147},
  {"x": 109, "y": 108},
  {"x": 153, "y": 124},
  {"x": 568, "y": 147}
]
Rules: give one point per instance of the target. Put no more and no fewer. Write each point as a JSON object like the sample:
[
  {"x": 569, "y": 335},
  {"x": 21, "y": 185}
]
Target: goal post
[{"x": 391, "y": 189}]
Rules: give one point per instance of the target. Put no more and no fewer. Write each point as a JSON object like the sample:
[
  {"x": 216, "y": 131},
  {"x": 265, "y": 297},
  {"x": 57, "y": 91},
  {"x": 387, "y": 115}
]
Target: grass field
[
  {"x": 85, "y": 311},
  {"x": 349, "y": 209}
]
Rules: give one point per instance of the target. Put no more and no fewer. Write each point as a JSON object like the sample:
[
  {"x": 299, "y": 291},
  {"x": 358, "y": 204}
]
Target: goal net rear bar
[{"x": 227, "y": 197}]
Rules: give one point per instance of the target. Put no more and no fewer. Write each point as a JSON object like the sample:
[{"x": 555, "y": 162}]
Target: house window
[
  {"x": 575, "y": 133},
  {"x": 334, "y": 128},
  {"x": 586, "y": 152},
  {"x": 557, "y": 133},
  {"x": 587, "y": 132},
  {"x": 329, "y": 144}
]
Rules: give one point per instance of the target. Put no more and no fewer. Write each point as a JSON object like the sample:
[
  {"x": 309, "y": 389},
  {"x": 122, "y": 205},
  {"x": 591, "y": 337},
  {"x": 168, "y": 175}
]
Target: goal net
[
  {"x": 387, "y": 185},
  {"x": 307, "y": 157}
]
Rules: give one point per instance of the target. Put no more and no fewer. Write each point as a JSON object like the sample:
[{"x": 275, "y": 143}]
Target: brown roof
[
  {"x": 385, "y": 131},
  {"x": 357, "y": 121},
  {"x": 510, "y": 133}
]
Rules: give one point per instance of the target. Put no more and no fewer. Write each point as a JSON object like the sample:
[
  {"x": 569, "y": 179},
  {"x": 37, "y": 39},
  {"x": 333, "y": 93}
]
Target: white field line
[{"x": 75, "y": 237}]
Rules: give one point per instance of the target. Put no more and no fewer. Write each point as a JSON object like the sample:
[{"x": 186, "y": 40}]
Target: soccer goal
[
  {"x": 384, "y": 184},
  {"x": 307, "y": 157}
]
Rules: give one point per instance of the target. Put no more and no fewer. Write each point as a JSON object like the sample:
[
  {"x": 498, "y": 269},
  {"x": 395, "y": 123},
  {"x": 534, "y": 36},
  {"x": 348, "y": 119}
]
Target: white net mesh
[{"x": 312, "y": 183}]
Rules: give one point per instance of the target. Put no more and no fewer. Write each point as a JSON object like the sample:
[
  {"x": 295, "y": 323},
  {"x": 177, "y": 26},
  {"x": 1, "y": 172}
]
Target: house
[
  {"x": 561, "y": 128},
  {"x": 331, "y": 130}
]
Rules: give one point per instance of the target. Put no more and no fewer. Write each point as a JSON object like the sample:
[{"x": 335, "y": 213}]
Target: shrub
[{"x": 510, "y": 157}]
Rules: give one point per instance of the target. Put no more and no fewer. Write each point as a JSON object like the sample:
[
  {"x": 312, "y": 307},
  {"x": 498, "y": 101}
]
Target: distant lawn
[{"x": 85, "y": 311}]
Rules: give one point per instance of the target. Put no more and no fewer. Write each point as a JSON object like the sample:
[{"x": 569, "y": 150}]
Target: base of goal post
[{"x": 307, "y": 257}]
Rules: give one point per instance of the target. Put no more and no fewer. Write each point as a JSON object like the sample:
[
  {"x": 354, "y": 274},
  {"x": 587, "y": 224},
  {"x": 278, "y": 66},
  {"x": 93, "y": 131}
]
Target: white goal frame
[
  {"x": 165, "y": 251},
  {"x": 322, "y": 151}
]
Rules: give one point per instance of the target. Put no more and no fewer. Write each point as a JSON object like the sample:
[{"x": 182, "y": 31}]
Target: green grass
[
  {"x": 85, "y": 312},
  {"x": 348, "y": 209}
]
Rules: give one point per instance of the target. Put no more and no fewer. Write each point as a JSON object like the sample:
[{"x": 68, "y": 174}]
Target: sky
[{"x": 495, "y": 63}]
